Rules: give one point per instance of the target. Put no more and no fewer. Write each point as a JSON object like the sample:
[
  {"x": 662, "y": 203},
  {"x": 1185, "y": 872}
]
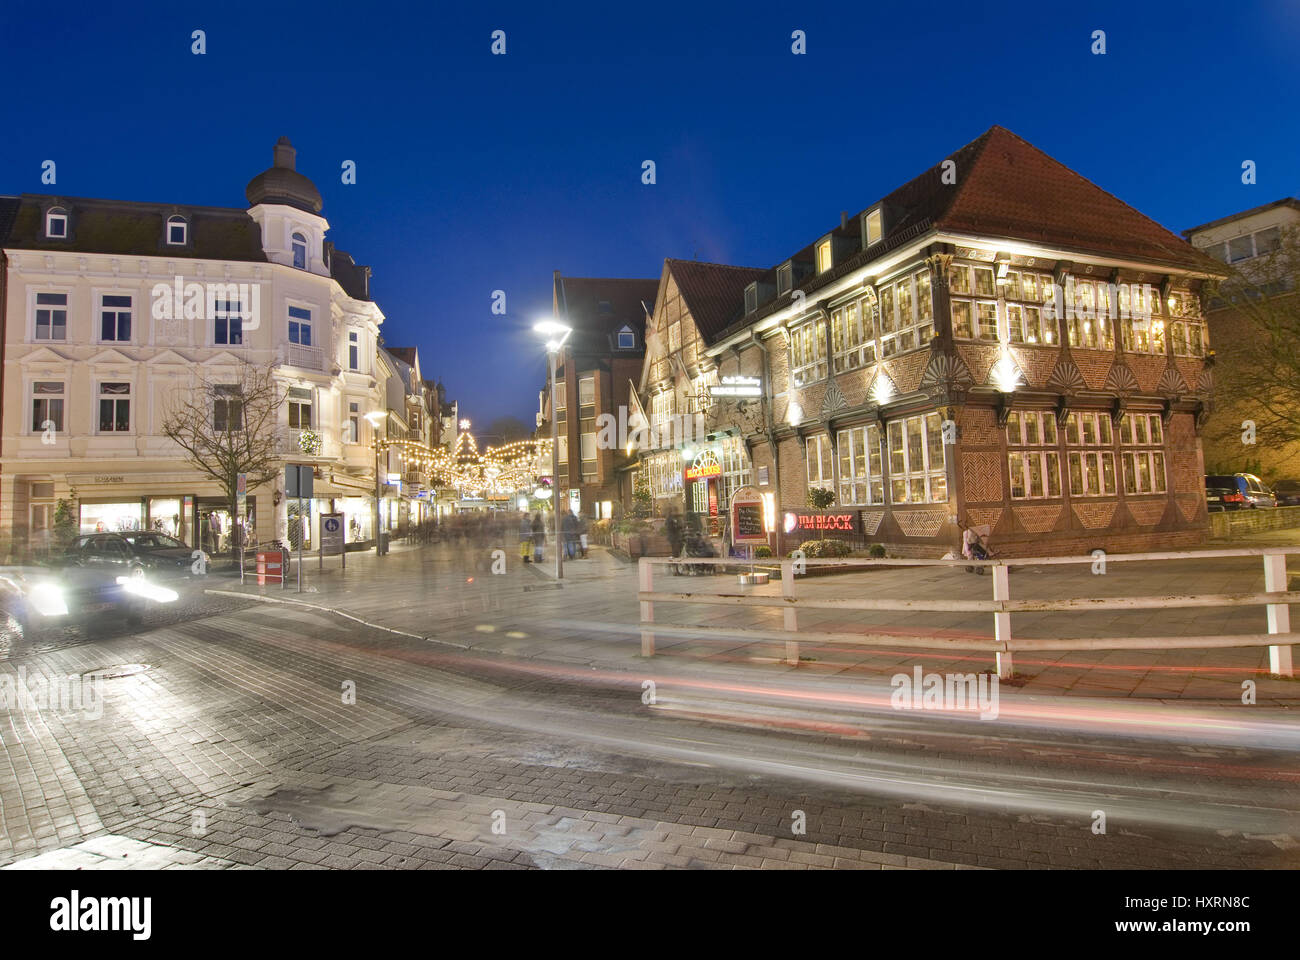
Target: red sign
[
  {"x": 820, "y": 522},
  {"x": 703, "y": 471}
]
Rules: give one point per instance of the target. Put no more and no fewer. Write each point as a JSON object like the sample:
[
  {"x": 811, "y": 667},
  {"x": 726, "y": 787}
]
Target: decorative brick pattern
[
  {"x": 871, "y": 520},
  {"x": 1191, "y": 506},
  {"x": 978, "y": 426},
  {"x": 1095, "y": 516},
  {"x": 981, "y": 477},
  {"x": 920, "y": 523},
  {"x": 1184, "y": 456},
  {"x": 1147, "y": 369},
  {"x": 1038, "y": 519},
  {"x": 1147, "y": 513},
  {"x": 979, "y": 360},
  {"x": 1035, "y": 363},
  {"x": 1094, "y": 365},
  {"x": 906, "y": 371},
  {"x": 984, "y": 516}
]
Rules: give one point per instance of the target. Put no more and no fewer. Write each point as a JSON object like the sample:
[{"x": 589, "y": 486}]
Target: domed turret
[{"x": 281, "y": 183}]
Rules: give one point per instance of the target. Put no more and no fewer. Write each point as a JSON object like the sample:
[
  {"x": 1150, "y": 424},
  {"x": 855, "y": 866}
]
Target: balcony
[{"x": 305, "y": 358}]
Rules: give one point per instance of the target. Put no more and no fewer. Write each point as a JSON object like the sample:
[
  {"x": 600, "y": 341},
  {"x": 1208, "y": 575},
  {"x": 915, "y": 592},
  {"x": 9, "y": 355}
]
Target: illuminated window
[
  {"x": 1035, "y": 473},
  {"x": 824, "y": 255},
  {"x": 47, "y": 406},
  {"x": 818, "y": 450},
  {"x": 871, "y": 227},
  {"x": 917, "y": 460},
  {"x": 861, "y": 476},
  {"x": 808, "y": 352},
  {"x": 1144, "y": 469}
]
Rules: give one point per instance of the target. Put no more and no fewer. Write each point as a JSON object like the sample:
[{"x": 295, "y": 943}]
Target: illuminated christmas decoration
[{"x": 496, "y": 470}]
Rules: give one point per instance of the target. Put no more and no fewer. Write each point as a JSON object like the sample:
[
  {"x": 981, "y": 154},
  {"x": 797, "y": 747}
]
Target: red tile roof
[{"x": 712, "y": 291}]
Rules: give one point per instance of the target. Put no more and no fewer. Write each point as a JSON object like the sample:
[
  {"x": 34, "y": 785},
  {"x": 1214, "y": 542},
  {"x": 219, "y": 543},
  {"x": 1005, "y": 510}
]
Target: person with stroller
[{"x": 974, "y": 547}]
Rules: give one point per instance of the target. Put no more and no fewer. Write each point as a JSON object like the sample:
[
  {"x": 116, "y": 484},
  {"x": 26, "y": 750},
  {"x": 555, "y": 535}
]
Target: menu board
[{"x": 747, "y": 521}]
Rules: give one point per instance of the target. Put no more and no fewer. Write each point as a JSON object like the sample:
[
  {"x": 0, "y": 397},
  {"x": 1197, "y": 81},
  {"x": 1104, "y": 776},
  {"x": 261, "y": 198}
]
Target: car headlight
[
  {"x": 47, "y": 600},
  {"x": 141, "y": 587}
]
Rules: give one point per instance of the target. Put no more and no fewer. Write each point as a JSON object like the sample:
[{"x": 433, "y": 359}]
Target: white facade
[{"x": 112, "y": 348}]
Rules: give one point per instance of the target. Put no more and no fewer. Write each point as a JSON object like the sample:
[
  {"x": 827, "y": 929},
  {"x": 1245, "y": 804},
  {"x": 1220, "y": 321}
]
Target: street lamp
[
  {"x": 375, "y": 418},
  {"x": 555, "y": 334}
]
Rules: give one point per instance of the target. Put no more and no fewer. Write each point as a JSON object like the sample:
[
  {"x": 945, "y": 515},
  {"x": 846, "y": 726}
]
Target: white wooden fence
[{"x": 1276, "y": 598}]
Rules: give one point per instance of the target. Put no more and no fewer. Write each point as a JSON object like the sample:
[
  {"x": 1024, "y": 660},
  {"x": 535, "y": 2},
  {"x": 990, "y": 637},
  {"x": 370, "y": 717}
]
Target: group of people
[{"x": 532, "y": 536}]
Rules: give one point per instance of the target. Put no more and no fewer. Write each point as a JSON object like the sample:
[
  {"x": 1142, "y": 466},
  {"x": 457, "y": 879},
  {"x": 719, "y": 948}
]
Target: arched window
[
  {"x": 177, "y": 231},
  {"x": 56, "y": 223},
  {"x": 300, "y": 251}
]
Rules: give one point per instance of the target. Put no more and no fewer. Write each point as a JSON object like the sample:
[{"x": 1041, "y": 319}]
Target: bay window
[
  {"x": 917, "y": 460},
  {"x": 861, "y": 467}
]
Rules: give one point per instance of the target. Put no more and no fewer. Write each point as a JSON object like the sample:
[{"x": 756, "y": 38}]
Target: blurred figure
[
  {"x": 582, "y": 535},
  {"x": 539, "y": 537},
  {"x": 569, "y": 528},
  {"x": 525, "y": 537}
]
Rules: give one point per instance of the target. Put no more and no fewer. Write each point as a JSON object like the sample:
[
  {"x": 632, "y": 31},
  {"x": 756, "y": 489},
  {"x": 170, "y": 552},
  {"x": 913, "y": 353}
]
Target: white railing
[
  {"x": 1276, "y": 598},
  {"x": 308, "y": 358}
]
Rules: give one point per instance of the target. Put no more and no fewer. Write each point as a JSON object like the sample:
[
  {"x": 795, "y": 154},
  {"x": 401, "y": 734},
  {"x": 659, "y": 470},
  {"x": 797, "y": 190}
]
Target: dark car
[
  {"x": 1287, "y": 493},
  {"x": 43, "y": 599},
  {"x": 156, "y": 555},
  {"x": 1236, "y": 491}
]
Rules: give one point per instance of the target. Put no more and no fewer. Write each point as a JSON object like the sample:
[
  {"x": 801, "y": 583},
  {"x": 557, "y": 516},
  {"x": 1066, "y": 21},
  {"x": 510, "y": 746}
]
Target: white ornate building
[{"x": 91, "y": 357}]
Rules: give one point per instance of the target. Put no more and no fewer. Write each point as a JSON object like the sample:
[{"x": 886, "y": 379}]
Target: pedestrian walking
[
  {"x": 676, "y": 537},
  {"x": 569, "y": 527},
  {"x": 525, "y": 537},
  {"x": 582, "y": 535},
  {"x": 539, "y": 537}
]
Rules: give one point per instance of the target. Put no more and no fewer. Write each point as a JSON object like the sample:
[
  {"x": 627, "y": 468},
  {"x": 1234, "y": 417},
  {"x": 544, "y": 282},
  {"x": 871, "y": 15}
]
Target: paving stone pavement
[{"x": 229, "y": 739}]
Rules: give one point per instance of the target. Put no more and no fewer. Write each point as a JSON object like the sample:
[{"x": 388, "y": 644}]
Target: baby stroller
[
  {"x": 699, "y": 546},
  {"x": 974, "y": 546}
]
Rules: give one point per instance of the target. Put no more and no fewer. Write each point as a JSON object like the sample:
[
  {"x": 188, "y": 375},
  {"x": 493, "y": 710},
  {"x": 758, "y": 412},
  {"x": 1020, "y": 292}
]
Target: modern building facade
[
  {"x": 112, "y": 307},
  {"x": 594, "y": 373},
  {"x": 998, "y": 342}
]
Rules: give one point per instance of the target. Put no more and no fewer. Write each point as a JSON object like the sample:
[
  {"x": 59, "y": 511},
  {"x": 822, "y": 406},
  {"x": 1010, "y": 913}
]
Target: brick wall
[{"x": 1232, "y": 522}]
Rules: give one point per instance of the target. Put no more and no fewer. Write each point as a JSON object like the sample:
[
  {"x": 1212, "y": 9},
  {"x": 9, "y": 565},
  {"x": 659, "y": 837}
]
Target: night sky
[{"x": 479, "y": 172}]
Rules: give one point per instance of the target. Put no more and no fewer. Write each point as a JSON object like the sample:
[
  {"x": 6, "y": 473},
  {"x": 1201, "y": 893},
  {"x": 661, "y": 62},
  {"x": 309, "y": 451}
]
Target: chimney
[
  {"x": 844, "y": 219},
  {"x": 284, "y": 154}
]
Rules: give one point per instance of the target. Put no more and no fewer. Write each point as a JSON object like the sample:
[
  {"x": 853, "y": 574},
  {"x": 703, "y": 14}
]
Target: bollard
[
  {"x": 646, "y": 581},
  {"x": 790, "y": 614},
  {"x": 1002, "y": 620},
  {"x": 1279, "y": 614}
]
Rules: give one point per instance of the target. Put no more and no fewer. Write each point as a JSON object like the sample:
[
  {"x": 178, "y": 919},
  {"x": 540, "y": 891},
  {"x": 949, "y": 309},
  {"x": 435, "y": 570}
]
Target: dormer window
[
  {"x": 824, "y": 255},
  {"x": 626, "y": 339},
  {"x": 300, "y": 251},
  {"x": 56, "y": 223},
  {"x": 784, "y": 278},
  {"x": 751, "y": 298},
  {"x": 871, "y": 228},
  {"x": 177, "y": 231}
]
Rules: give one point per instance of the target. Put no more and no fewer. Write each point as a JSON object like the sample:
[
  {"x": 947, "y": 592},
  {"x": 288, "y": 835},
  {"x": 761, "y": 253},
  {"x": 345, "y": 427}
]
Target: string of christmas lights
[{"x": 503, "y": 469}]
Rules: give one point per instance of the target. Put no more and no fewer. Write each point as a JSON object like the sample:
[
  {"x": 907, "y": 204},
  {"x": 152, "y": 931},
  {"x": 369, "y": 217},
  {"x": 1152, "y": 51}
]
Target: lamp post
[
  {"x": 556, "y": 334},
  {"x": 375, "y": 418}
]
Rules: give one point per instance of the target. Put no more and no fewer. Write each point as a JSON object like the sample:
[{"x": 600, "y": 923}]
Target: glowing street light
[{"x": 555, "y": 333}]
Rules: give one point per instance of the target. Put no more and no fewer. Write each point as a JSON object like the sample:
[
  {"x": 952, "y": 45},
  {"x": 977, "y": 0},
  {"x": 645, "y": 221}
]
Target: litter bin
[
  {"x": 383, "y": 542},
  {"x": 270, "y": 566}
]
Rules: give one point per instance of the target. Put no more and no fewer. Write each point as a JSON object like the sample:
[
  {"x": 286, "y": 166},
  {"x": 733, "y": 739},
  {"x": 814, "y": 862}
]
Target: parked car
[
  {"x": 156, "y": 555},
  {"x": 1287, "y": 493},
  {"x": 43, "y": 599},
  {"x": 1238, "y": 491}
]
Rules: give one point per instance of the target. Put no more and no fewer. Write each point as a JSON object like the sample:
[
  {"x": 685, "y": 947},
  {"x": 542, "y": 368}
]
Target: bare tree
[
  {"x": 228, "y": 426},
  {"x": 1256, "y": 311}
]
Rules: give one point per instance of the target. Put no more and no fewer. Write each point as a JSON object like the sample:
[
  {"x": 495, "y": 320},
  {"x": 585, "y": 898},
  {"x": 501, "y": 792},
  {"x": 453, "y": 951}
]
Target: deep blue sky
[{"x": 480, "y": 172}]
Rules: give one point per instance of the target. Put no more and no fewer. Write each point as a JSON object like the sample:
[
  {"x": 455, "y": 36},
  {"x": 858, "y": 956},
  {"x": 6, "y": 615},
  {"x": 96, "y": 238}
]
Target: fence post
[
  {"x": 1279, "y": 614},
  {"x": 1002, "y": 620},
  {"x": 646, "y": 583},
  {"x": 789, "y": 614}
]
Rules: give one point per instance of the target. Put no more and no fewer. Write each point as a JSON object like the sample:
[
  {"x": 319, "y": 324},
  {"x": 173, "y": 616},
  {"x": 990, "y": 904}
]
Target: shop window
[
  {"x": 51, "y": 316},
  {"x": 47, "y": 406},
  {"x": 1035, "y": 473},
  {"x": 820, "y": 468},
  {"x": 861, "y": 474},
  {"x": 114, "y": 407},
  {"x": 917, "y": 460}
]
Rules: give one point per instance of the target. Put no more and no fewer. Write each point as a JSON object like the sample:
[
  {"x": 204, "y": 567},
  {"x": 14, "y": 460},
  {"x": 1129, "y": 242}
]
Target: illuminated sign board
[
  {"x": 747, "y": 520},
  {"x": 737, "y": 387},
  {"x": 821, "y": 521},
  {"x": 704, "y": 466}
]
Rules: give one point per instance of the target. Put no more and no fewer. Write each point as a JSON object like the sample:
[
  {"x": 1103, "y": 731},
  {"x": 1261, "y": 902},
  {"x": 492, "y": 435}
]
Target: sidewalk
[{"x": 591, "y": 617}]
